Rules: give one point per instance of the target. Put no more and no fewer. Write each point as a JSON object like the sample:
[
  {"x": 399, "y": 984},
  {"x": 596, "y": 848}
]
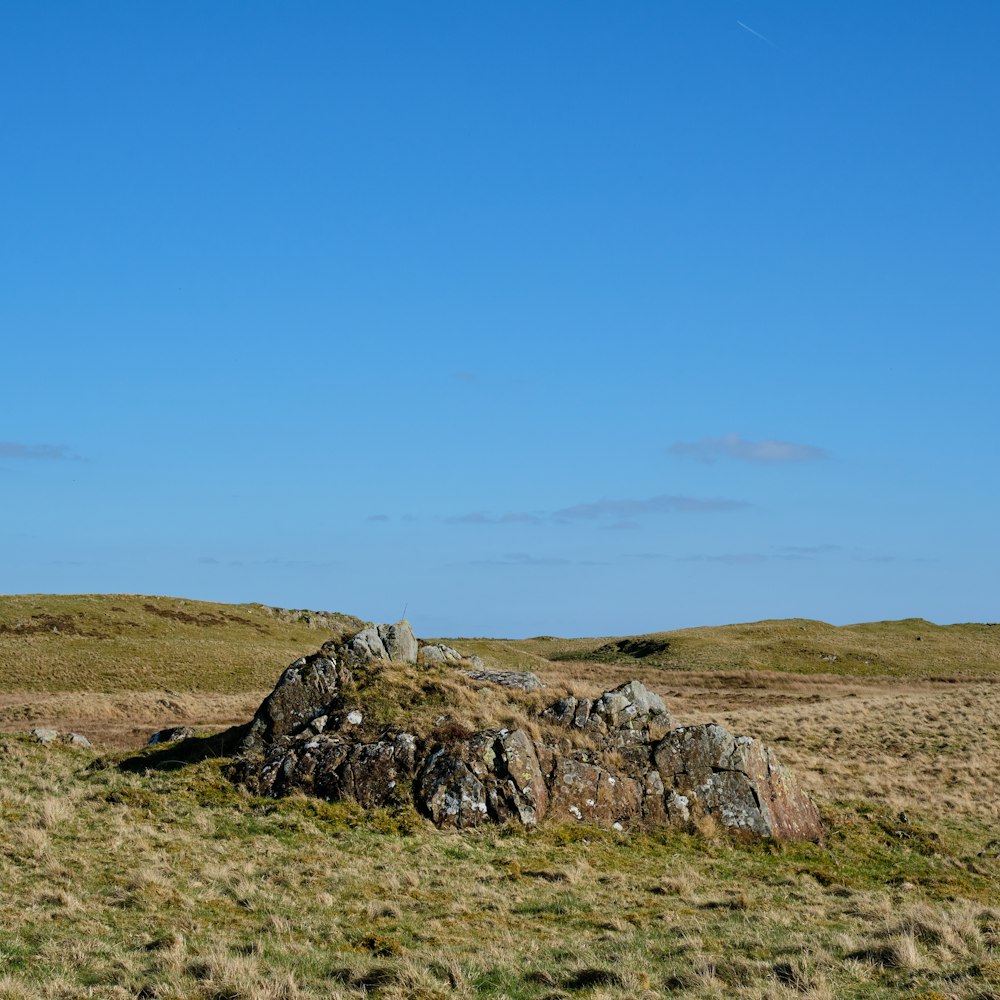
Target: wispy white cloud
[
  {"x": 756, "y": 34},
  {"x": 44, "y": 452},
  {"x": 729, "y": 558},
  {"x": 662, "y": 504},
  {"x": 522, "y": 559},
  {"x": 767, "y": 451},
  {"x": 531, "y": 560},
  {"x": 617, "y": 514},
  {"x": 482, "y": 517}
]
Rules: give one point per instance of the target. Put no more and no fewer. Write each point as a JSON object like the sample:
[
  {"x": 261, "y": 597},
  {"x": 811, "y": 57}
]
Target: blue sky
[{"x": 571, "y": 318}]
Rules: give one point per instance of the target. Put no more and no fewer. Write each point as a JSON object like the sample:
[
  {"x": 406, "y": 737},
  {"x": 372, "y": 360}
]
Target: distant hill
[
  {"x": 115, "y": 642},
  {"x": 913, "y": 647},
  {"x": 128, "y": 642}
]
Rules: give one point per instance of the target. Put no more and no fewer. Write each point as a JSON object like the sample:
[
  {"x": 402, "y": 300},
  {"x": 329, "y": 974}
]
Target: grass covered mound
[
  {"x": 913, "y": 648},
  {"x": 130, "y": 642},
  {"x": 381, "y": 726}
]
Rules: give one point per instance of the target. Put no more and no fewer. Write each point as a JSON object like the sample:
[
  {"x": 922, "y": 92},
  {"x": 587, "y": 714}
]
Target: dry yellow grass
[
  {"x": 910, "y": 648},
  {"x": 130, "y": 642},
  {"x": 173, "y": 885}
]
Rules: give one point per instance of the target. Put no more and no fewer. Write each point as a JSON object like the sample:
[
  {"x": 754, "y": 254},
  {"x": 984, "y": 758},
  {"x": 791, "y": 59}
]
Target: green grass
[
  {"x": 141, "y": 875},
  {"x": 910, "y": 648},
  {"x": 174, "y": 884},
  {"x": 128, "y": 642},
  {"x": 113, "y": 642}
]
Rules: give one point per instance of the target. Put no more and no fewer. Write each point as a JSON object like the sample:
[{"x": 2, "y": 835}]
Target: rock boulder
[
  {"x": 612, "y": 761},
  {"x": 520, "y": 680},
  {"x": 736, "y": 780}
]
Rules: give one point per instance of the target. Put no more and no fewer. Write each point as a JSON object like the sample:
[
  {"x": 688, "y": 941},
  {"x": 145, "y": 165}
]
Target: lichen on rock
[{"x": 360, "y": 721}]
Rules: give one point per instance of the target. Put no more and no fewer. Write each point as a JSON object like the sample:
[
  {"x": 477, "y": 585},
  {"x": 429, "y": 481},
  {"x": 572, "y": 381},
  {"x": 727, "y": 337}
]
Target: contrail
[{"x": 746, "y": 27}]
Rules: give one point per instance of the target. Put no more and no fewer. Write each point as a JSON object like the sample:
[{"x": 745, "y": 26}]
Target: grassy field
[
  {"x": 910, "y": 648},
  {"x": 130, "y": 642},
  {"x": 128, "y": 881}
]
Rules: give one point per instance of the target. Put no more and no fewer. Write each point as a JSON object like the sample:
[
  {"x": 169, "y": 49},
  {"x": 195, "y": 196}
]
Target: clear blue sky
[{"x": 573, "y": 318}]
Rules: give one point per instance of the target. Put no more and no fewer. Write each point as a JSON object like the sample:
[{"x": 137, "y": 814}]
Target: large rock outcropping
[{"x": 616, "y": 760}]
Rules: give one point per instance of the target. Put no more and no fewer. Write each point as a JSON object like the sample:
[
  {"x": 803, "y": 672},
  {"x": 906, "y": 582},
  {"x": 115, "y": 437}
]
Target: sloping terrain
[
  {"x": 130, "y": 642},
  {"x": 134, "y": 873},
  {"x": 910, "y": 648}
]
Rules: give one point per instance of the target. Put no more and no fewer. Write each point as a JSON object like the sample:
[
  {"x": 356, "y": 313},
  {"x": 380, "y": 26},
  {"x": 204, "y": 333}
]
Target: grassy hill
[
  {"x": 169, "y": 883},
  {"x": 130, "y": 642},
  {"x": 910, "y": 648}
]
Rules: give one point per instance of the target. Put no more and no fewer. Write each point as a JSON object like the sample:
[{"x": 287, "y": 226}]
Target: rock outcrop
[
  {"x": 395, "y": 643},
  {"x": 519, "y": 680},
  {"x": 310, "y": 684},
  {"x": 49, "y": 736},
  {"x": 627, "y": 714},
  {"x": 300, "y": 695},
  {"x": 737, "y": 780},
  {"x": 438, "y": 652},
  {"x": 614, "y": 761}
]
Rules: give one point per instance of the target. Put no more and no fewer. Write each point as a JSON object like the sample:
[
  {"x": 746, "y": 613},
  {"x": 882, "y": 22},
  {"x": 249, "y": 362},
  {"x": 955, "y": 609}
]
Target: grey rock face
[
  {"x": 520, "y": 791},
  {"x": 737, "y": 780},
  {"x": 332, "y": 768},
  {"x": 517, "y": 679},
  {"x": 399, "y": 641},
  {"x": 382, "y": 642},
  {"x": 44, "y": 736},
  {"x": 301, "y": 695},
  {"x": 372, "y": 771},
  {"x": 627, "y": 715},
  {"x": 365, "y": 647},
  {"x": 450, "y": 792},
  {"x": 438, "y": 652},
  {"x": 631, "y": 767},
  {"x": 170, "y": 735},
  {"x": 592, "y": 794}
]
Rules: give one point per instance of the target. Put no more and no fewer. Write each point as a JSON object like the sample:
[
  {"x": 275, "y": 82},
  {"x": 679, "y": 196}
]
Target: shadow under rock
[{"x": 183, "y": 753}]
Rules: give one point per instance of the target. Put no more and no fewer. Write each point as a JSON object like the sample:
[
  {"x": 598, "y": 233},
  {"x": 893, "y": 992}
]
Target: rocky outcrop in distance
[
  {"x": 614, "y": 761},
  {"x": 48, "y": 737}
]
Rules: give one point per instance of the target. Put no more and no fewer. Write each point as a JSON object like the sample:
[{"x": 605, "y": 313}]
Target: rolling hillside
[
  {"x": 129, "y": 642},
  {"x": 120, "y": 642}
]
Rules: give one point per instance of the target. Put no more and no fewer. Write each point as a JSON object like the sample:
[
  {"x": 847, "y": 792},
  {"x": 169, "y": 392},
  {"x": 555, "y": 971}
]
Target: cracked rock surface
[{"x": 616, "y": 761}]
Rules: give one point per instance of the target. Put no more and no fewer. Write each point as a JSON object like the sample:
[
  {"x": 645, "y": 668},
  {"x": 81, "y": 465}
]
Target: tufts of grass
[
  {"x": 174, "y": 884},
  {"x": 910, "y": 648},
  {"x": 128, "y": 642}
]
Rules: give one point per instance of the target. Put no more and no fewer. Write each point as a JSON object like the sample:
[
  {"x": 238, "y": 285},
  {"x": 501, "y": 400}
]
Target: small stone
[
  {"x": 520, "y": 680},
  {"x": 354, "y": 718},
  {"x": 170, "y": 735}
]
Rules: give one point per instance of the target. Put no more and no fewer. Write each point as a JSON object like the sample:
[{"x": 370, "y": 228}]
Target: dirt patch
[
  {"x": 205, "y": 619},
  {"x": 53, "y": 624}
]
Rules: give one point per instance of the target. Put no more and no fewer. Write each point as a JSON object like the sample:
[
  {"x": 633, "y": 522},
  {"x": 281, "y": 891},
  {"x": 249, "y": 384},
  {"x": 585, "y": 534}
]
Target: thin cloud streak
[
  {"x": 756, "y": 34},
  {"x": 38, "y": 452},
  {"x": 621, "y": 513},
  {"x": 521, "y": 559},
  {"x": 663, "y": 504},
  {"x": 766, "y": 452},
  {"x": 482, "y": 517}
]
